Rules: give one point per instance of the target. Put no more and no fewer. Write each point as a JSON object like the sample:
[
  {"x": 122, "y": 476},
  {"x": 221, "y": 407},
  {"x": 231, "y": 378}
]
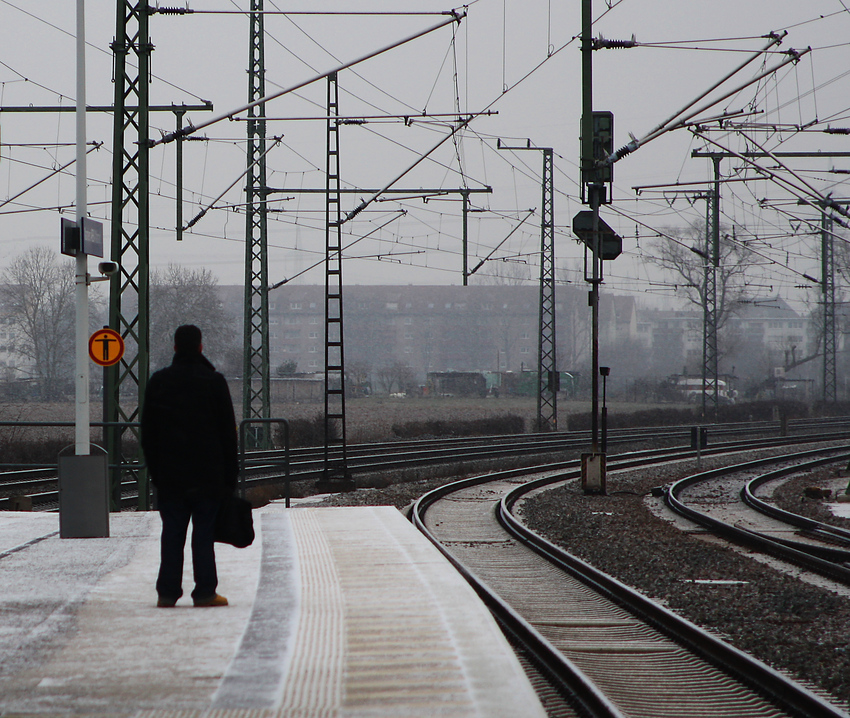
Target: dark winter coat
[{"x": 188, "y": 430}]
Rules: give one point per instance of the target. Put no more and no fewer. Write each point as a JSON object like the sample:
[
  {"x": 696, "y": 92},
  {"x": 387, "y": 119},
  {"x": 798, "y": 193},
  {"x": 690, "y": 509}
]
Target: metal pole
[
  {"x": 256, "y": 386},
  {"x": 81, "y": 413},
  {"x": 465, "y": 196},
  {"x": 587, "y": 166},
  {"x": 179, "y": 221},
  {"x": 130, "y": 230},
  {"x": 594, "y": 319},
  {"x": 715, "y": 264},
  {"x": 605, "y": 371},
  {"x": 547, "y": 363},
  {"x": 586, "y": 93}
]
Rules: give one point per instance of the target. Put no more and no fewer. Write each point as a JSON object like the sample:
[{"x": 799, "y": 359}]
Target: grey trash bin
[{"x": 83, "y": 497}]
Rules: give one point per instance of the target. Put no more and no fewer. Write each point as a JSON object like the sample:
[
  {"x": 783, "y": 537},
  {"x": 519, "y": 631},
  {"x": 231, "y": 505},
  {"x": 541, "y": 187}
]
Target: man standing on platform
[{"x": 188, "y": 434}]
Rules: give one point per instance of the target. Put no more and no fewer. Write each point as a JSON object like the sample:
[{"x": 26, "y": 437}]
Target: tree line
[{"x": 37, "y": 319}]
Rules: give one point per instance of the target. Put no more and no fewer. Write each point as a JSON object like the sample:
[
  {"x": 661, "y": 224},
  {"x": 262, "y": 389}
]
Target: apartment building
[
  {"x": 428, "y": 328},
  {"x": 485, "y": 328}
]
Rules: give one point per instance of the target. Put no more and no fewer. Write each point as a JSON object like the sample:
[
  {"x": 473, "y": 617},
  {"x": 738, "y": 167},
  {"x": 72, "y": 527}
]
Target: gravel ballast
[{"x": 787, "y": 623}]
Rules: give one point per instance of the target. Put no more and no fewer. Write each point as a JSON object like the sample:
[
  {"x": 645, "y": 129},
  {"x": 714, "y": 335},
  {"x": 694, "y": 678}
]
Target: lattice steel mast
[
  {"x": 335, "y": 474},
  {"x": 830, "y": 384},
  {"x": 255, "y": 374},
  {"x": 128, "y": 307},
  {"x": 547, "y": 365},
  {"x": 710, "y": 383}
]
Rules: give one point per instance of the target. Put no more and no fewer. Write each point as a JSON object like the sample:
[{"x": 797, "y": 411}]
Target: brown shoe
[
  {"x": 166, "y": 602},
  {"x": 214, "y": 600}
]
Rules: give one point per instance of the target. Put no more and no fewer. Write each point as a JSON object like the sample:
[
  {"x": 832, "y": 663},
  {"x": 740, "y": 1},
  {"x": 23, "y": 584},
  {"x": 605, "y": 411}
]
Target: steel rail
[
  {"x": 570, "y": 439},
  {"x": 825, "y": 562},
  {"x": 794, "y": 698},
  {"x": 305, "y": 465},
  {"x": 570, "y": 681},
  {"x": 803, "y": 522},
  {"x": 749, "y": 670},
  {"x": 558, "y": 440},
  {"x": 382, "y": 462},
  {"x": 365, "y": 454}
]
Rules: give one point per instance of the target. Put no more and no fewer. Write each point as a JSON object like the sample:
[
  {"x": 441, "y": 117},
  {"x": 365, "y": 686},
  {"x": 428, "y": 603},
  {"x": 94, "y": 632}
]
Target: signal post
[{"x": 597, "y": 174}]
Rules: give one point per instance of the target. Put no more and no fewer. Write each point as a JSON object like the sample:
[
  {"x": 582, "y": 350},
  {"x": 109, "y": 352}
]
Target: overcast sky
[{"x": 516, "y": 59}]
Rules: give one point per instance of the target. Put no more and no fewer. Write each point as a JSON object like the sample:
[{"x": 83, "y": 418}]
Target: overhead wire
[
  {"x": 90, "y": 45},
  {"x": 471, "y": 133}
]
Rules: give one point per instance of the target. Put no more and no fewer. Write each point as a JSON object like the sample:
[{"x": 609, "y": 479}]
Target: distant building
[
  {"x": 761, "y": 342},
  {"x": 432, "y": 330},
  {"x": 435, "y": 328}
]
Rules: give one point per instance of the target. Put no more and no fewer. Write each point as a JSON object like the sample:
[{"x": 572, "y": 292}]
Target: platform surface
[{"x": 333, "y": 612}]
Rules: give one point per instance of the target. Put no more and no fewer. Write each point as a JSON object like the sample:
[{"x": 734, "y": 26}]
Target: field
[{"x": 368, "y": 419}]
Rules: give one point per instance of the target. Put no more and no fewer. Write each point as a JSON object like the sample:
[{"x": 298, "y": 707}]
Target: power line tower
[
  {"x": 128, "y": 306},
  {"x": 830, "y": 387},
  {"x": 255, "y": 374},
  {"x": 830, "y": 384},
  {"x": 335, "y": 476},
  {"x": 710, "y": 393},
  {"x": 547, "y": 364}
]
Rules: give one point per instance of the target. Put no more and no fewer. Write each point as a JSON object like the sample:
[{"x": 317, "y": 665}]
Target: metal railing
[{"x": 243, "y": 430}]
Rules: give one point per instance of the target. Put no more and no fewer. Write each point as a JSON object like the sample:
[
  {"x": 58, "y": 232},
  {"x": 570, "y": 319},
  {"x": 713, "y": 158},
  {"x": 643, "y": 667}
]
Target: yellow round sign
[{"x": 106, "y": 347}]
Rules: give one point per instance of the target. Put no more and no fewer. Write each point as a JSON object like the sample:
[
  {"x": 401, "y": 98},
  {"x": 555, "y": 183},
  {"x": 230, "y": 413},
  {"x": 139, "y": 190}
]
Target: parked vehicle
[{"x": 693, "y": 388}]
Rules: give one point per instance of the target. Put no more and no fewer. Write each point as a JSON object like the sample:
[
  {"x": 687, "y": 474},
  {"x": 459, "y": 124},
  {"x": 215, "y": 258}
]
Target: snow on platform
[{"x": 333, "y": 612}]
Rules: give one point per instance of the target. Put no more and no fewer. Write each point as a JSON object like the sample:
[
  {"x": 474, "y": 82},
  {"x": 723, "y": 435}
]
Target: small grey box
[{"x": 83, "y": 497}]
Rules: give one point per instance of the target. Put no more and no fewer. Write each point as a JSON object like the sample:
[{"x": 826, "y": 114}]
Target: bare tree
[
  {"x": 683, "y": 259},
  {"x": 38, "y": 294},
  {"x": 187, "y": 296},
  {"x": 509, "y": 273},
  {"x": 357, "y": 378},
  {"x": 287, "y": 368},
  {"x": 396, "y": 375}
]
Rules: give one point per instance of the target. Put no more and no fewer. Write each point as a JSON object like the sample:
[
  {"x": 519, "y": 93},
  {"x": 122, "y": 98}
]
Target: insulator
[
  {"x": 623, "y": 151},
  {"x": 600, "y": 43},
  {"x": 173, "y": 10}
]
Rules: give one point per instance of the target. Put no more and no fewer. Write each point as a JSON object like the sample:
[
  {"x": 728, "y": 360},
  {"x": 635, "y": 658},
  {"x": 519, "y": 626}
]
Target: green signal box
[{"x": 603, "y": 146}]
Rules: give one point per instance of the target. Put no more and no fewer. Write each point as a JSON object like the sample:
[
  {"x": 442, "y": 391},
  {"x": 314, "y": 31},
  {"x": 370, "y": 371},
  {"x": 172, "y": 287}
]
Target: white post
[{"x": 81, "y": 414}]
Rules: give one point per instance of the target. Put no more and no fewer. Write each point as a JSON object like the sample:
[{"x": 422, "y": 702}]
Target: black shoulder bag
[{"x": 234, "y": 523}]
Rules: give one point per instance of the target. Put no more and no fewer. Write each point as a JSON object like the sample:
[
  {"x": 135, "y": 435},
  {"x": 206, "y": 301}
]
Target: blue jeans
[{"x": 175, "y": 514}]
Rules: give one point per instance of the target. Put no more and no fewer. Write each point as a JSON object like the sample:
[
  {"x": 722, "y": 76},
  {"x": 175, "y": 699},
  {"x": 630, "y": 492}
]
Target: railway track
[
  {"x": 601, "y": 649},
  {"x": 606, "y": 649},
  {"x": 724, "y": 495},
  {"x": 306, "y": 464}
]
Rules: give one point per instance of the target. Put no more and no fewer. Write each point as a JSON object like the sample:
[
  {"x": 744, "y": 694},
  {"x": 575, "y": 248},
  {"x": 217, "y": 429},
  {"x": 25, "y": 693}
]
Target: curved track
[
  {"x": 722, "y": 493},
  {"x": 626, "y": 654}
]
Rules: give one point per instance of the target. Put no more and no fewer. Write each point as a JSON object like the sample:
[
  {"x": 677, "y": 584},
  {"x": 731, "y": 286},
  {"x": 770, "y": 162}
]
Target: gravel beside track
[{"x": 789, "y": 624}]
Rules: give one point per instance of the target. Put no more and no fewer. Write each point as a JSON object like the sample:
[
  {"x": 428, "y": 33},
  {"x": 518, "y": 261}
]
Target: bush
[
  {"x": 837, "y": 408},
  {"x": 506, "y": 424},
  {"x": 32, "y": 451},
  {"x": 731, "y": 413},
  {"x": 648, "y": 417},
  {"x": 307, "y": 432},
  {"x": 762, "y": 411}
]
